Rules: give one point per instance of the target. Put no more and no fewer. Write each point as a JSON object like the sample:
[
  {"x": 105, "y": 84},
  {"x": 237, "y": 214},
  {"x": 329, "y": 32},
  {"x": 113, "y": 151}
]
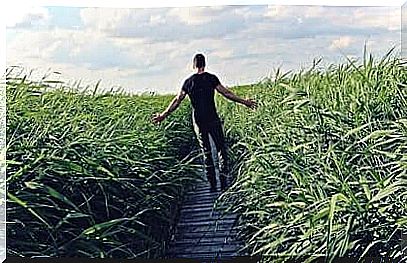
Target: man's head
[{"x": 199, "y": 61}]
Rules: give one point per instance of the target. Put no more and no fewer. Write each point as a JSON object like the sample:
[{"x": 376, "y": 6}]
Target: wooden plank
[
  {"x": 200, "y": 199},
  {"x": 205, "y": 212},
  {"x": 209, "y": 250},
  {"x": 202, "y": 234},
  {"x": 207, "y": 240},
  {"x": 200, "y": 217},
  {"x": 203, "y": 207},
  {"x": 209, "y": 222},
  {"x": 209, "y": 255},
  {"x": 205, "y": 227},
  {"x": 199, "y": 209},
  {"x": 202, "y": 193}
]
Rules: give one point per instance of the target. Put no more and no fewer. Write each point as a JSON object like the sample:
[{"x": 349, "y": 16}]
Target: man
[{"x": 200, "y": 88}]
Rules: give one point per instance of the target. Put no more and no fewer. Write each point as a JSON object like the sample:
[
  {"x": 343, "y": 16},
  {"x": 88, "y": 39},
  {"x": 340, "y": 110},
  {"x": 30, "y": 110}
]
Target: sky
[
  {"x": 151, "y": 49},
  {"x": 404, "y": 30}
]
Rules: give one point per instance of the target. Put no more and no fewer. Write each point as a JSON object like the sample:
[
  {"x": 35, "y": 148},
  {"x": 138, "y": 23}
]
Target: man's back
[{"x": 200, "y": 88}]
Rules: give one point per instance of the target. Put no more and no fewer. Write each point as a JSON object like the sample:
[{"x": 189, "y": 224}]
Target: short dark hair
[{"x": 199, "y": 61}]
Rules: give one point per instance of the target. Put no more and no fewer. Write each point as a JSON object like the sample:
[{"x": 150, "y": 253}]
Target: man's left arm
[{"x": 227, "y": 93}]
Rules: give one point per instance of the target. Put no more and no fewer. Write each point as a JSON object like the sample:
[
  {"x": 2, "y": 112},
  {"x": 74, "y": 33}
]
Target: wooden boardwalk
[{"x": 204, "y": 233}]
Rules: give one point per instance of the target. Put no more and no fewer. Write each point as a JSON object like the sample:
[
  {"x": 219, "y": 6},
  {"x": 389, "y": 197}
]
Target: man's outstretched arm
[
  {"x": 159, "y": 117},
  {"x": 233, "y": 97}
]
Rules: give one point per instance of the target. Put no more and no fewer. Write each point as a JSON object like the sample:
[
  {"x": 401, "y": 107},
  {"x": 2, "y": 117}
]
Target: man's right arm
[
  {"x": 159, "y": 117},
  {"x": 233, "y": 97}
]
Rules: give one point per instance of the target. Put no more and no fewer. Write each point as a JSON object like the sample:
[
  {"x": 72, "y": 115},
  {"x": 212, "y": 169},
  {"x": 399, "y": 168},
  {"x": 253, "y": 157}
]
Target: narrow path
[{"x": 205, "y": 233}]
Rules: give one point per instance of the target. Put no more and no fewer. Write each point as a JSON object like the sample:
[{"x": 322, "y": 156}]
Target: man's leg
[
  {"x": 204, "y": 143},
  {"x": 218, "y": 137}
]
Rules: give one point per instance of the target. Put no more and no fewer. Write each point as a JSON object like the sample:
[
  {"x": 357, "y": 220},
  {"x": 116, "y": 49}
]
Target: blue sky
[{"x": 151, "y": 49}]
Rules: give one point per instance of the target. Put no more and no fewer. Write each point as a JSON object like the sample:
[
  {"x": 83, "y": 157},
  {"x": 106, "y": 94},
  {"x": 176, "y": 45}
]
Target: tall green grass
[
  {"x": 89, "y": 175},
  {"x": 321, "y": 165}
]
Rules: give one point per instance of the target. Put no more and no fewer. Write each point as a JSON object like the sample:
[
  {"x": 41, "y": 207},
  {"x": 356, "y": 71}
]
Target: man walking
[{"x": 200, "y": 88}]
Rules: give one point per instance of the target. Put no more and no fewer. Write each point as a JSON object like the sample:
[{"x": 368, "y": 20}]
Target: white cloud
[
  {"x": 389, "y": 18},
  {"x": 357, "y": 17},
  {"x": 168, "y": 24},
  {"x": 109, "y": 19},
  {"x": 341, "y": 42},
  {"x": 281, "y": 11},
  {"x": 184, "y": 24},
  {"x": 199, "y": 16},
  {"x": 26, "y": 16}
]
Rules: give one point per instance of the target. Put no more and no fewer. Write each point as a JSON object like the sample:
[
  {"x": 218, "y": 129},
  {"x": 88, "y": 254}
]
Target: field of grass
[
  {"x": 322, "y": 163},
  {"x": 90, "y": 175},
  {"x": 320, "y": 167}
]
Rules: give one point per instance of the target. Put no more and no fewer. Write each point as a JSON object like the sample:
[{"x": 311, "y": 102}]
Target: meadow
[
  {"x": 320, "y": 166},
  {"x": 89, "y": 174}
]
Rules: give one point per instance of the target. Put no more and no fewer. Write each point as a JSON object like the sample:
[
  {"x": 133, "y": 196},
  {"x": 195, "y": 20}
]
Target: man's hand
[
  {"x": 250, "y": 104},
  {"x": 158, "y": 117}
]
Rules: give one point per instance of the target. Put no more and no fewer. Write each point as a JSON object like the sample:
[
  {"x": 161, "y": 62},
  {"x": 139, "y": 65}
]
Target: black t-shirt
[{"x": 201, "y": 90}]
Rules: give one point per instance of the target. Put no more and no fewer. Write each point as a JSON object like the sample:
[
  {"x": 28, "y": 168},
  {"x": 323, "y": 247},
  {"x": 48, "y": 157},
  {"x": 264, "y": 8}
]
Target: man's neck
[{"x": 200, "y": 70}]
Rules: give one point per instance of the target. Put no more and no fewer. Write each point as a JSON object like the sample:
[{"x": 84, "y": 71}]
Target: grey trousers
[{"x": 203, "y": 134}]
